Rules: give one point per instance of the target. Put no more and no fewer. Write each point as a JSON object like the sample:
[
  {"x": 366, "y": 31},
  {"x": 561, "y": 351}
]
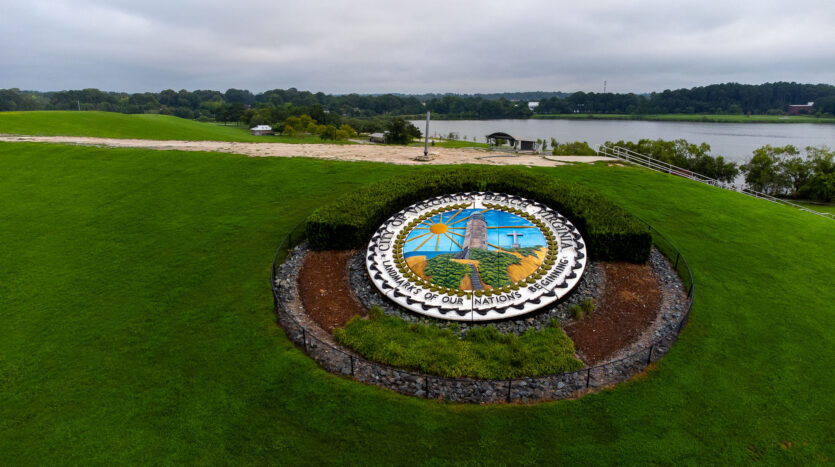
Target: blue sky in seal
[
  {"x": 375, "y": 46},
  {"x": 528, "y": 236}
]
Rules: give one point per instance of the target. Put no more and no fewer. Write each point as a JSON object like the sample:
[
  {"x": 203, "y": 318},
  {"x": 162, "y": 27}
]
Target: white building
[{"x": 260, "y": 130}]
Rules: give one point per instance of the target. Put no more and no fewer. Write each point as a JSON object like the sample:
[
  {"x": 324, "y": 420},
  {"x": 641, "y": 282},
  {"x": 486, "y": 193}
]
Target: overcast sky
[{"x": 370, "y": 46}]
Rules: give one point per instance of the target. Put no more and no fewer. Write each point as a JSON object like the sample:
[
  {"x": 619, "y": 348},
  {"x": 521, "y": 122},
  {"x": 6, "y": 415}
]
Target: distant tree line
[
  {"x": 232, "y": 105},
  {"x": 729, "y": 98}
]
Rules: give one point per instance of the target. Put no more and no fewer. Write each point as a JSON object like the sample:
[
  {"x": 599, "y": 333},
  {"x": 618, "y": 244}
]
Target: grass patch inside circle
[{"x": 482, "y": 352}]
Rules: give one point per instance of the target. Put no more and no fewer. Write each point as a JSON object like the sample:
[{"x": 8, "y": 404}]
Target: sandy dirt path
[{"x": 343, "y": 152}]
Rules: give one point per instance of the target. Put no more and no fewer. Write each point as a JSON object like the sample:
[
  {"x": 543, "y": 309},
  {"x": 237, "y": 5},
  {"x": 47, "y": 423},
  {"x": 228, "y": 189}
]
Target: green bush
[
  {"x": 577, "y": 148},
  {"x": 483, "y": 352},
  {"x": 611, "y": 233}
]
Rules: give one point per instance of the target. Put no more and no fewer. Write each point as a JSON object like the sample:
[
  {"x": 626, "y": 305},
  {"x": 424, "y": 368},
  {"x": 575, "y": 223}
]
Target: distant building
[
  {"x": 518, "y": 144},
  {"x": 261, "y": 130},
  {"x": 533, "y": 105},
  {"x": 797, "y": 109},
  {"x": 377, "y": 137}
]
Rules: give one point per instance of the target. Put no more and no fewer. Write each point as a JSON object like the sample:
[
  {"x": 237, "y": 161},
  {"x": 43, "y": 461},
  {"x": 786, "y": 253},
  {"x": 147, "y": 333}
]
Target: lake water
[{"x": 734, "y": 141}]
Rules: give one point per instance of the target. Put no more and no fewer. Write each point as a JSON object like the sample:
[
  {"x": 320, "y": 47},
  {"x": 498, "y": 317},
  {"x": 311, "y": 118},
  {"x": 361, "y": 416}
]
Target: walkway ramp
[{"x": 651, "y": 163}]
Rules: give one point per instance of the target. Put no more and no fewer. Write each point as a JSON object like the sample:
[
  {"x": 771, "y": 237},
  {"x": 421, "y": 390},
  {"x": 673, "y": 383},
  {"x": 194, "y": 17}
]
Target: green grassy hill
[
  {"x": 138, "y": 126},
  {"x": 137, "y": 327}
]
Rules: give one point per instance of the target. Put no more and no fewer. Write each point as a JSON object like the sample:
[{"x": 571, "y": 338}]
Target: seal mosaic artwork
[{"x": 476, "y": 256}]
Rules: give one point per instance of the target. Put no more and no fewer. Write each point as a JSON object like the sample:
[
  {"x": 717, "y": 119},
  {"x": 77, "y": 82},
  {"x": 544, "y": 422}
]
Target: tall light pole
[{"x": 426, "y": 137}]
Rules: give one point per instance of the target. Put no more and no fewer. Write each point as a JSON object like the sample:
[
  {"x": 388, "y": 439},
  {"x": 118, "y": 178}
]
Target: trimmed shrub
[{"x": 610, "y": 232}]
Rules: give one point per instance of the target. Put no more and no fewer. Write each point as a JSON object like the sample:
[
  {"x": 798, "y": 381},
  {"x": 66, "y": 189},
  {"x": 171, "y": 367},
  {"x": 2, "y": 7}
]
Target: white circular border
[{"x": 556, "y": 281}]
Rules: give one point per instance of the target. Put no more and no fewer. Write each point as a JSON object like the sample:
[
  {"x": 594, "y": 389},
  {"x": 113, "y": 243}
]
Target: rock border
[{"x": 322, "y": 347}]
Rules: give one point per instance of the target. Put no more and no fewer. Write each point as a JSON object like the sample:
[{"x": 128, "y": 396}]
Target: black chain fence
[{"x": 319, "y": 345}]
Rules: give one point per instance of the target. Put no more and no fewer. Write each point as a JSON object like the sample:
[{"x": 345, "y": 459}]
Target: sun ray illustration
[
  {"x": 460, "y": 220},
  {"x": 419, "y": 236},
  {"x": 424, "y": 242},
  {"x": 437, "y": 242},
  {"x": 453, "y": 216},
  {"x": 453, "y": 240},
  {"x": 456, "y": 233}
]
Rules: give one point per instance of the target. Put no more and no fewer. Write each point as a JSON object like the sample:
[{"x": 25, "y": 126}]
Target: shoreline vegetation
[
  {"x": 691, "y": 118},
  {"x": 707, "y": 118}
]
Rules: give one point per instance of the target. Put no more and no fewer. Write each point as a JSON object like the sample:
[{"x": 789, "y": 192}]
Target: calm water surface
[{"x": 735, "y": 141}]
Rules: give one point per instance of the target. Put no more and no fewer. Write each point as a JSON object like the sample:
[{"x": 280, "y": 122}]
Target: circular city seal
[{"x": 476, "y": 256}]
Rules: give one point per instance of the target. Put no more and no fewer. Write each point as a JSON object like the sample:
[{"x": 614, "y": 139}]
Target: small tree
[
  {"x": 821, "y": 185},
  {"x": 765, "y": 171},
  {"x": 401, "y": 131},
  {"x": 349, "y": 132},
  {"x": 327, "y": 132}
]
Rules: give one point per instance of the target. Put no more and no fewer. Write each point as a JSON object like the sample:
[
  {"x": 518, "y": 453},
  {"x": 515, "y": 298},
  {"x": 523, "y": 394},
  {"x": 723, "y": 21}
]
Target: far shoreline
[{"x": 687, "y": 118}]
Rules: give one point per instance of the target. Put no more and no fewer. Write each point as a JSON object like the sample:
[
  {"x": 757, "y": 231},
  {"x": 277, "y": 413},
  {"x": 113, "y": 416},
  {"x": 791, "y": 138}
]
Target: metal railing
[
  {"x": 651, "y": 163},
  {"x": 526, "y": 389}
]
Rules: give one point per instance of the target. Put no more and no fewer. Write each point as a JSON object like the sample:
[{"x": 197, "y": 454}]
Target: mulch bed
[
  {"x": 626, "y": 308},
  {"x": 325, "y": 291}
]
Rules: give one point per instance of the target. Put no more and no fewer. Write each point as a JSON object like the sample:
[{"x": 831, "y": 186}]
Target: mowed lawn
[
  {"x": 133, "y": 126},
  {"x": 137, "y": 327}
]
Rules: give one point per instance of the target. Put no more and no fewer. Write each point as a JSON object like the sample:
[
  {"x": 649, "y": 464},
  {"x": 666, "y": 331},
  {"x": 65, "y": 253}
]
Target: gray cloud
[{"x": 437, "y": 46}]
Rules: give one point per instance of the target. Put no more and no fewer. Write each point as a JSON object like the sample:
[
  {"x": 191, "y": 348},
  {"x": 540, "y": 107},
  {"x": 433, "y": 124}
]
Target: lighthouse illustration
[{"x": 475, "y": 236}]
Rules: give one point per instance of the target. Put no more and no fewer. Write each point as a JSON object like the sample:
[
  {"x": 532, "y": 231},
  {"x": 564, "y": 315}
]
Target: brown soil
[
  {"x": 325, "y": 291},
  {"x": 627, "y": 307}
]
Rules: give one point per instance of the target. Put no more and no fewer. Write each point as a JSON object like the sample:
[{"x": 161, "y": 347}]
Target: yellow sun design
[{"x": 437, "y": 229}]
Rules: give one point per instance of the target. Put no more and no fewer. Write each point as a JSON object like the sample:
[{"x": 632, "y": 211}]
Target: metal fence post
[
  {"x": 588, "y": 377},
  {"x": 426, "y": 389},
  {"x": 649, "y": 358},
  {"x": 509, "y": 386},
  {"x": 678, "y": 255},
  {"x": 352, "y": 364},
  {"x": 304, "y": 339}
]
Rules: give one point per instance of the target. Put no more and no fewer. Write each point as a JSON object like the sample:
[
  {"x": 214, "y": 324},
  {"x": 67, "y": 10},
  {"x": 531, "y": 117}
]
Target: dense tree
[
  {"x": 825, "y": 105},
  {"x": 15, "y": 99},
  {"x": 821, "y": 185},
  {"x": 782, "y": 171},
  {"x": 686, "y": 155},
  {"x": 230, "y": 112},
  {"x": 400, "y": 131},
  {"x": 765, "y": 173}
]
